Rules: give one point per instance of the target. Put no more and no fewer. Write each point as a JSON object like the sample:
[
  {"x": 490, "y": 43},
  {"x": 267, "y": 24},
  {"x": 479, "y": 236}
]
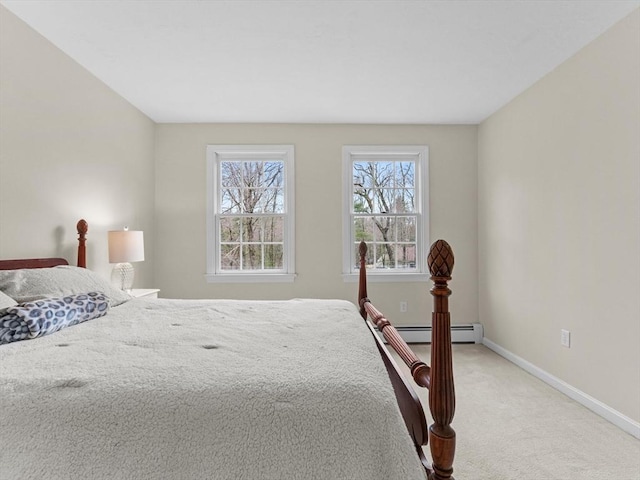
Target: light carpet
[{"x": 512, "y": 426}]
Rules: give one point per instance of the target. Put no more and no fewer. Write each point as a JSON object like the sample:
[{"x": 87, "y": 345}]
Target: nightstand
[{"x": 144, "y": 292}]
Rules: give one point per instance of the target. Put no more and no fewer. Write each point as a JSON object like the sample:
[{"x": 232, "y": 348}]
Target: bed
[{"x": 219, "y": 389}]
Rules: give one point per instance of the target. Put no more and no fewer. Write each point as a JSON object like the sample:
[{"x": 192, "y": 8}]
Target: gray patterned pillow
[
  {"x": 27, "y": 285},
  {"x": 42, "y": 317}
]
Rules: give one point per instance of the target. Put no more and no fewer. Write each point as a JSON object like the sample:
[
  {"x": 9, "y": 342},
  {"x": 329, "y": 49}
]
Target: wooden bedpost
[
  {"x": 82, "y": 227},
  {"x": 442, "y": 438},
  {"x": 438, "y": 377},
  {"x": 362, "y": 285}
]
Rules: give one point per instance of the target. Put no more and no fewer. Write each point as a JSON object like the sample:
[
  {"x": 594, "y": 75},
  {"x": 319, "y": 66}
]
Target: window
[
  {"x": 386, "y": 205},
  {"x": 250, "y": 214}
]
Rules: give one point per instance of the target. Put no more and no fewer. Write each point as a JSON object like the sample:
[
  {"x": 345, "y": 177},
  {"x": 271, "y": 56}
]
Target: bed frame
[{"x": 438, "y": 377}]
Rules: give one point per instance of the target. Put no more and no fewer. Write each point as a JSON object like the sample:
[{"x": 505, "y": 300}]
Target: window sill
[
  {"x": 387, "y": 277},
  {"x": 250, "y": 278}
]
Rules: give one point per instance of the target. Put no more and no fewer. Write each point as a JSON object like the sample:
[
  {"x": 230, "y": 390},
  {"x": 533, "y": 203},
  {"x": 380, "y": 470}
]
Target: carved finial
[
  {"x": 440, "y": 259},
  {"x": 82, "y": 227},
  {"x": 362, "y": 250}
]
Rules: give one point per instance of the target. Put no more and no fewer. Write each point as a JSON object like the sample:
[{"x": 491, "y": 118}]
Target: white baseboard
[
  {"x": 625, "y": 423},
  {"x": 468, "y": 333}
]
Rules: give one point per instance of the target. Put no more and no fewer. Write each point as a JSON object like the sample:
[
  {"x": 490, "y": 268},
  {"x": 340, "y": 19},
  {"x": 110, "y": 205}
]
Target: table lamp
[{"x": 125, "y": 246}]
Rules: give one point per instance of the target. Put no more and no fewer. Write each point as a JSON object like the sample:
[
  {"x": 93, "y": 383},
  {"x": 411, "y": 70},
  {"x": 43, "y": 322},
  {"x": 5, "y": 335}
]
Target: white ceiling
[{"x": 331, "y": 61}]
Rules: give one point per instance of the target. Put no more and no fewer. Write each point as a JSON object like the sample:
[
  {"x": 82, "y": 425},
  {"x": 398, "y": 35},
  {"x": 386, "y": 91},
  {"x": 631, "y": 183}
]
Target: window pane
[
  {"x": 231, "y": 201},
  {"x": 384, "y": 229},
  {"x": 258, "y": 200},
  {"x": 384, "y": 174},
  {"x": 270, "y": 200},
  {"x": 229, "y": 257},
  {"x": 252, "y": 173},
  {"x": 383, "y": 200},
  {"x": 362, "y": 201},
  {"x": 405, "y": 200},
  {"x": 251, "y": 229},
  {"x": 273, "y": 228},
  {"x": 230, "y": 174},
  {"x": 363, "y": 229},
  {"x": 278, "y": 202},
  {"x": 385, "y": 255},
  {"x": 406, "y": 255},
  {"x": 250, "y": 198},
  {"x": 230, "y": 229},
  {"x": 406, "y": 229},
  {"x": 252, "y": 257},
  {"x": 273, "y": 256},
  {"x": 405, "y": 174},
  {"x": 363, "y": 174},
  {"x": 273, "y": 174}
]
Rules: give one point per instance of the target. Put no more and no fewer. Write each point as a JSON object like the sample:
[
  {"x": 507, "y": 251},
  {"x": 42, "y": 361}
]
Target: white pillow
[
  {"x": 30, "y": 284},
  {"x": 6, "y": 301}
]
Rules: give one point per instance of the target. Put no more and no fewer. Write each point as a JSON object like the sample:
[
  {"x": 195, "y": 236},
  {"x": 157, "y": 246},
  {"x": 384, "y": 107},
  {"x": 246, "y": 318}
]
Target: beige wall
[
  {"x": 559, "y": 221},
  {"x": 180, "y": 259},
  {"x": 69, "y": 148}
]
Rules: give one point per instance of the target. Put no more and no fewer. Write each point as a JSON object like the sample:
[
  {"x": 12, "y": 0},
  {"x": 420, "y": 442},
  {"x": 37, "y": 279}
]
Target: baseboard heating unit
[{"x": 466, "y": 333}]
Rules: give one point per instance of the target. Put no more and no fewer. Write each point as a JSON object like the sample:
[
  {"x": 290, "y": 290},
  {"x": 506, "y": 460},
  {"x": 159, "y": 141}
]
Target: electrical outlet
[
  {"x": 565, "y": 338},
  {"x": 403, "y": 307}
]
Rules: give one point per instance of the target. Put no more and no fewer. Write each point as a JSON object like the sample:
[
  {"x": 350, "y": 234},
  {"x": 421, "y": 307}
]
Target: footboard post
[
  {"x": 362, "y": 285},
  {"x": 442, "y": 438}
]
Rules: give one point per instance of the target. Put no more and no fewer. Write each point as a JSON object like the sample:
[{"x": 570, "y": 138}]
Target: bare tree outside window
[
  {"x": 384, "y": 212},
  {"x": 250, "y": 213},
  {"x": 252, "y": 208}
]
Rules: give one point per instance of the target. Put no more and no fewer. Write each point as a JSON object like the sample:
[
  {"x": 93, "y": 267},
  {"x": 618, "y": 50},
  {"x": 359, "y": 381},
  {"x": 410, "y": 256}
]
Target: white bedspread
[{"x": 178, "y": 389}]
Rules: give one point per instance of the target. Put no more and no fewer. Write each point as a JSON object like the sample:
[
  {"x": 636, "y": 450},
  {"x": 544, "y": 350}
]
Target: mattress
[{"x": 216, "y": 389}]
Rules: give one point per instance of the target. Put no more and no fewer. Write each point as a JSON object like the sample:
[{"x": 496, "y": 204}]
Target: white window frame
[
  {"x": 218, "y": 153},
  {"x": 420, "y": 153}
]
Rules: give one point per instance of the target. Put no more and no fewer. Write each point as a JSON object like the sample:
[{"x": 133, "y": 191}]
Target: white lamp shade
[{"x": 126, "y": 246}]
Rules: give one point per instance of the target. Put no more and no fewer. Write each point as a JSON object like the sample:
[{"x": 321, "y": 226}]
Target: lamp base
[{"x": 122, "y": 276}]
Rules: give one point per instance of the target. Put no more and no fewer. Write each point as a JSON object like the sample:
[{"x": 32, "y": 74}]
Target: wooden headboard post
[
  {"x": 442, "y": 438},
  {"x": 82, "y": 228}
]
